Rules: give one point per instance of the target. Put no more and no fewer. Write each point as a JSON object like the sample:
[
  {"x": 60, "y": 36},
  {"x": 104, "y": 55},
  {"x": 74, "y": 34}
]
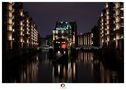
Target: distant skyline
[{"x": 45, "y": 14}]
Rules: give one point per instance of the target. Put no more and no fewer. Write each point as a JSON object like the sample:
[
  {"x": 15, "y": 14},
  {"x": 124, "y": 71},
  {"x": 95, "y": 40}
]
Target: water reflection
[
  {"x": 63, "y": 72},
  {"x": 28, "y": 71},
  {"x": 108, "y": 76},
  {"x": 83, "y": 67},
  {"x": 85, "y": 56}
]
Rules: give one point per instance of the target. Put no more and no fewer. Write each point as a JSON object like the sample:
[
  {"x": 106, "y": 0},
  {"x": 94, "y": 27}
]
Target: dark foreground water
[{"x": 82, "y": 67}]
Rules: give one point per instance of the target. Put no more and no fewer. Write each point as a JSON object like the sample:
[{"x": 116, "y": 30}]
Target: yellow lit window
[
  {"x": 10, "y": 20},
  {"x": 117, "y": 12},
  {"x": 21, "y": 12},
  {"x": 21, "y": 28},
  {"x": 21, "y": 23},
  {"x": 107, "y": 27},
  {"x": 21, "y": 40},
  {"x": 9, "y": 27},
  {"x": 9, "y": 36},
  {"x": 117, "y": 19},
  {"x": 117, "y": 26},
  {"x": 117, "y": 37},
  {"x": 107, "y": 17},
  {"x": 117, "y": 5},
  {"x": 10, "y": 7},
  {"x": 10, "y": 14},
  {"x": 107, "y": 11}
]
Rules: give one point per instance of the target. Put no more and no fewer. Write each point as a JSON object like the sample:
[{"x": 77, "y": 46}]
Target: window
[
  {"x": 117, "y": 12},
  {"x": 10, "y": 14},
  {"x": 9, "y": 27},
  {"x": 21, "y": 12},
  {"x": 117, "y": 19},
  {"x": 10, "y": 7},
  {"x": 9, "y": 36},
  {"x": 107, "y": 11},
  {"x": 117, "y": 5},
  {"x": 10, "y": 20},
  {"x": 117, "y": 26}
]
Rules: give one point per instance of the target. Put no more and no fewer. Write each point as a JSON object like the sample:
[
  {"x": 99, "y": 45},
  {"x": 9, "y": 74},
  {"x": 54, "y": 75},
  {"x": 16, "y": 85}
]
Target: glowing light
[
  {"x": 53, "y": 31},
  {"x": 10, "y": 27},
  {"x": 10, "y": 21},
  {"x": 9, "y": 36},
  {"x": 63, "y": 46},
  {"x": 58, "y": 52},
  {"x": 58, "y": 69}
]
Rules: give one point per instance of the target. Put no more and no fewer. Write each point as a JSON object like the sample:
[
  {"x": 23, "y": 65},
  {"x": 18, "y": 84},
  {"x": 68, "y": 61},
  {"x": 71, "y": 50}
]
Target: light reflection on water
[{"x": 85, "y": 68}]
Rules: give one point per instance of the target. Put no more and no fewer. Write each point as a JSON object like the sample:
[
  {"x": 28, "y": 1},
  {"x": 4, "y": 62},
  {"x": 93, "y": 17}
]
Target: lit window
[
  {"x": 56, "y": 31},
  {"x": 21, "y": 33},
  {"x": 117, "y": 26},
  {"x": 13, "y": 30},
  {"x": 107, "y": 26},
  {"x": 101, "y": 14},
  {"x": 122, "y": 17},
  {"x": 122, "y": 37},
  {"x": 117, "y": 5},
  {"x": 102, "y": 40},
  {"x": 107, "y": 17},
  {"x": 122, "y": 8},
  {"x": 107, "y": 11},
  {"x": 107, "y": 32},
  {"x": 21, "y": 12},
  {"x": 117, "y": 19},
  {"x": 10, "y": 14},
  {"x": 10, "y": 21},
  {"x": 91, "y": 34},
  {"x": 9, "y": 27},
  {"x": 114, "y": 29},
  {"x": 117, "y": 12},
  {"x": 62, "y": 31},
  {"x": 13, "y": 23},
  {"x": 21, "y": 40},
  {"x": 107, "y": 21},
  {"x": 10, "y": 7},
  {"x": 21, "y": 28},
  {"x": 21, "y": 23},
  {"x": 113, "y": 38},
  {"x": 53, "y": 31},
  {"x": 27, "y": 20},
  {"x": 9, "y": 36},
  {"x": 106, "y": 5}
]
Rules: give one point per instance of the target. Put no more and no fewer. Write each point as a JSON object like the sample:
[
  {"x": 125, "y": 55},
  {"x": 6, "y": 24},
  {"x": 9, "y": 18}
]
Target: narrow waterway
[{"x": 82, "y": 67}]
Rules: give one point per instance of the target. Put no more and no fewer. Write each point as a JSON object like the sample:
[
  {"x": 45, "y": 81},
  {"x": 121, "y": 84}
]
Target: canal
[{"x": 81, "y": 67}]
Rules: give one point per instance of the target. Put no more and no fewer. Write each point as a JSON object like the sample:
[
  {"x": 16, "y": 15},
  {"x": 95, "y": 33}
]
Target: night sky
[{"x": 45, "y": 15}]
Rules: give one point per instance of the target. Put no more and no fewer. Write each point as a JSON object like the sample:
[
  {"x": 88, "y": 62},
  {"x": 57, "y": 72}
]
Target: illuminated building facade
[
  {"x": 85, "y": 39},
  {"x": 112, "y": 26},
  {"x": 80, "y": 39},
  {"x": 19, "y": 31},
  {"x": 66, "y": 31},
  {"x": 95, "y": 36}
]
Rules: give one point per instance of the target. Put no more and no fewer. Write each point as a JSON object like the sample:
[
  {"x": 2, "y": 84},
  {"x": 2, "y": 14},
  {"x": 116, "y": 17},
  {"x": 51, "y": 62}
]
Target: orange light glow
[{"x": 63, "y": 46}]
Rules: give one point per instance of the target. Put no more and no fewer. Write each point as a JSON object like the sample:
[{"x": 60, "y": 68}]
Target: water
[{"x": 82, "y": 67}]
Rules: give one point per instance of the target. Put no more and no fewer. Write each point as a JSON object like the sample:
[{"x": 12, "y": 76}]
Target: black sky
[{"x": 46, "y": 14}]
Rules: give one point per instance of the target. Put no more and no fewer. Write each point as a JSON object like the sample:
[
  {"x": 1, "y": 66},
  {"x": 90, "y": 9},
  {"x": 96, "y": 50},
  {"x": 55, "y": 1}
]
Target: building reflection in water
[
  {"x": 85, "y": 68},
  {"x": 108, "y": 76},
  {"x": 64, "y": 72},
  {"x": 85, "y": 56},
  {"x": 29, "y": 71},
  {"x": 99, "y": 71}
]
